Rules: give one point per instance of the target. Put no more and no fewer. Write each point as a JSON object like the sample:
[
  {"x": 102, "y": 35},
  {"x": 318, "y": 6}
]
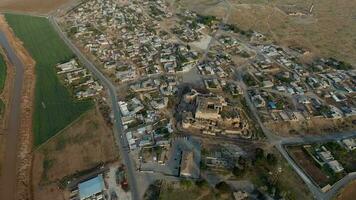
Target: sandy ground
[
  {"x": 348, "y": 193},
  {"x": 24, "y": 156},
  {"x": 82, "y": 146},
  {"x": 329, "y": 31},
  {"x": 312, "y": 127},
  {"x": 32, "y": 6}
]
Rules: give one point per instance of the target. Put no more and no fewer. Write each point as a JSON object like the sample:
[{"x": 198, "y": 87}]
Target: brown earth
[
  {"x": 348, "y": 193},
  {"x": 329, "y": 31},
  {"x": 308, "y": 166},
  {"x": 32, "y": 6},
  {"x": 313, "y": 126},
  {"x": 24, "y": 145},
  {"x": 82, "y": 146}
]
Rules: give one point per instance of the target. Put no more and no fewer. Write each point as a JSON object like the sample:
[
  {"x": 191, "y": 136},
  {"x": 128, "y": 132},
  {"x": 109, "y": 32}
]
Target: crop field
[
  {"x": 55, "y": 108},
  {"x": 2, "y": 73}
]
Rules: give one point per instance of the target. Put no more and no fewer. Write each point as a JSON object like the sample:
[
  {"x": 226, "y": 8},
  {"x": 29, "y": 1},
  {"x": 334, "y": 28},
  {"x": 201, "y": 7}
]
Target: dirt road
[{"x": 18, "y": 132}]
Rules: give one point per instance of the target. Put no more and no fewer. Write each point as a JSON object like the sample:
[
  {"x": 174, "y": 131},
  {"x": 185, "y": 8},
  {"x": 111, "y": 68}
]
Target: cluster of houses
[
  {"x": 144, "y": 108},
  {"x": 145, "y": 48},
  {"x": 117, "y": 32},
  {"x": 79, "y": 79},
  {"x": 188, "y": 29},
  {"x": 327, "y": 158},
  {"x": 320, "y": 89}
]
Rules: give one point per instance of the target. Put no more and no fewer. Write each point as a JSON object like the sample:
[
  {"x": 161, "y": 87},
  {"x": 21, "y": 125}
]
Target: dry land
[
  {"x": 32, "y": 6},
  {"x": 308, "y": 165},
  {"x": 312, "y": 126},
  {"x": 348, "y": 193},
  {"x": 85, "y": 144},
  {"x": 189, "y": 190},
  {"x": 328, "y": 31}
]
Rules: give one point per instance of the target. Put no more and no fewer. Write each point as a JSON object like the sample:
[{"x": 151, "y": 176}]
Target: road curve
[
  {"x": 8, "y": 173},
  {"x": 121, "y": 138}
]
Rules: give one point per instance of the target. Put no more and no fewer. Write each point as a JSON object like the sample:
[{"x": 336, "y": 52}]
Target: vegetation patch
[
  {"x": 2, "y": 73},
  {"x": 55, "y": 108},
  {"x": 2, "y": 108}
]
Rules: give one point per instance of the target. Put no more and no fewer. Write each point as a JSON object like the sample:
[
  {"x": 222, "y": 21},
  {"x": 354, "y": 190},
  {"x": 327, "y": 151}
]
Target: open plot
[
  {"x": 37, "y": 6},
  {"x": 328, "y": 31},
  {"x": 55, "y": 108},
  {"x": 348, "y": 193},
  {"x": 188, "y": 190},
  {"x": 84, "y": 145},
  {"x": 308, "y": 165}
]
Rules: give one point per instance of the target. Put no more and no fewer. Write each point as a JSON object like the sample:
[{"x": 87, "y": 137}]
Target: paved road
[
  {"x": 273, "y": 139},
  {"x": 280, "y": 142},
  {"x": 8, "y": 178},
  {"x": 121, "y": 138}
]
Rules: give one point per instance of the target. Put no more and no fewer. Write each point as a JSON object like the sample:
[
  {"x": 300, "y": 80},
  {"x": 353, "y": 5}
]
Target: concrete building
[
  {"x": 209, "y": 108},
  {"x": 92, "y": 189},
  {"x": 350, "y": 144}
]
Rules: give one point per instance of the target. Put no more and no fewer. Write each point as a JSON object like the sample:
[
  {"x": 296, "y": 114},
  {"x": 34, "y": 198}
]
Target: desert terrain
[
  {"x": 32, "y": 6},
  {"x": 327, "y": 31},
  {"x": 84, "y": 145}
]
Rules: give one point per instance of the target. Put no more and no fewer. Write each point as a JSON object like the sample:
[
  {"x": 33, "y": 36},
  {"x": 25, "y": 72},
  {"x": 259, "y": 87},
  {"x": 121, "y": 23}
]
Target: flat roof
[{"x": 91, "y": 187}]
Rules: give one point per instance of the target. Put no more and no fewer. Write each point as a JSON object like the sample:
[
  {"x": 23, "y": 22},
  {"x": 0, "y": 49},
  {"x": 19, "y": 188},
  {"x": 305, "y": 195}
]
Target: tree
[
  {"x": 259, "y": 154},
  {"x": 242, "y": 162},
  {"x": 271, "y": 159},
  {"x": 238, "y": 172},
  {"x": 223, "y": 187}
]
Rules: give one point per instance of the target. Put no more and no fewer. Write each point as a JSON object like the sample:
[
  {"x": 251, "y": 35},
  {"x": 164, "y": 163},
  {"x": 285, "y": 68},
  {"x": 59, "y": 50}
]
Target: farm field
[
  {"x": 54, "y": 106},
  {"x": 2, "y": 73}
]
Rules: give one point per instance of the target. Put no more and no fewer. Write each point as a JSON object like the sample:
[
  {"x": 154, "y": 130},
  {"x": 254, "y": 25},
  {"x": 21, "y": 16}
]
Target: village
[{"x": 185, "y": 74}]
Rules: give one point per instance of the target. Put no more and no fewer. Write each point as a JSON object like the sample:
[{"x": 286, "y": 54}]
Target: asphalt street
[{"x": 119, "y": 131}]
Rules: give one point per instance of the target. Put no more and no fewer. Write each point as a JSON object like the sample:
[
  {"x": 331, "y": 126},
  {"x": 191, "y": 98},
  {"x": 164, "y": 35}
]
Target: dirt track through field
[{"x": 18, "y": 133}]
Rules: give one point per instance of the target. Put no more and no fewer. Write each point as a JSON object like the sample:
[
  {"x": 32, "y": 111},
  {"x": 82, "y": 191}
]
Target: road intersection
[{"x": 273, "y": 139}]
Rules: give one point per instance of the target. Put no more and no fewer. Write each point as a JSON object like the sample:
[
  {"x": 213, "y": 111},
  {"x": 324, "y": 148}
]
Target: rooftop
[{"x": 91, "y": 187}]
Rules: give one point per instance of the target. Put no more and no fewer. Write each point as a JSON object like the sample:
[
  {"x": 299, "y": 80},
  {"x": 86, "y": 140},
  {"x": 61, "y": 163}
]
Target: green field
[
  {"x": 2, "y": 73},
  {"x": 2, "y": 108},
  {"x": 54, "y": 106}
]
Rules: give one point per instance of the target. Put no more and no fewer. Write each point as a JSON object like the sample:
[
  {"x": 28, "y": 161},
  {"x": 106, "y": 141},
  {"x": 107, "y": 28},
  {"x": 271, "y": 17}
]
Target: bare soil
[
  {"x": 348, "y": 193},
  {"x": 32, "y": 6},
  {"x": 328, "y": 31},
  {"x": 314, "y": 126},
  {"x": 22, "y": 148},
  {"x": 307, "y": 164},
  {"x": 82, "y": 146}
]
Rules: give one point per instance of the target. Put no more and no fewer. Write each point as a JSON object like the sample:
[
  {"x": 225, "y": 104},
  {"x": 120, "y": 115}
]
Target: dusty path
[{"x": 18, "y": 134}]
